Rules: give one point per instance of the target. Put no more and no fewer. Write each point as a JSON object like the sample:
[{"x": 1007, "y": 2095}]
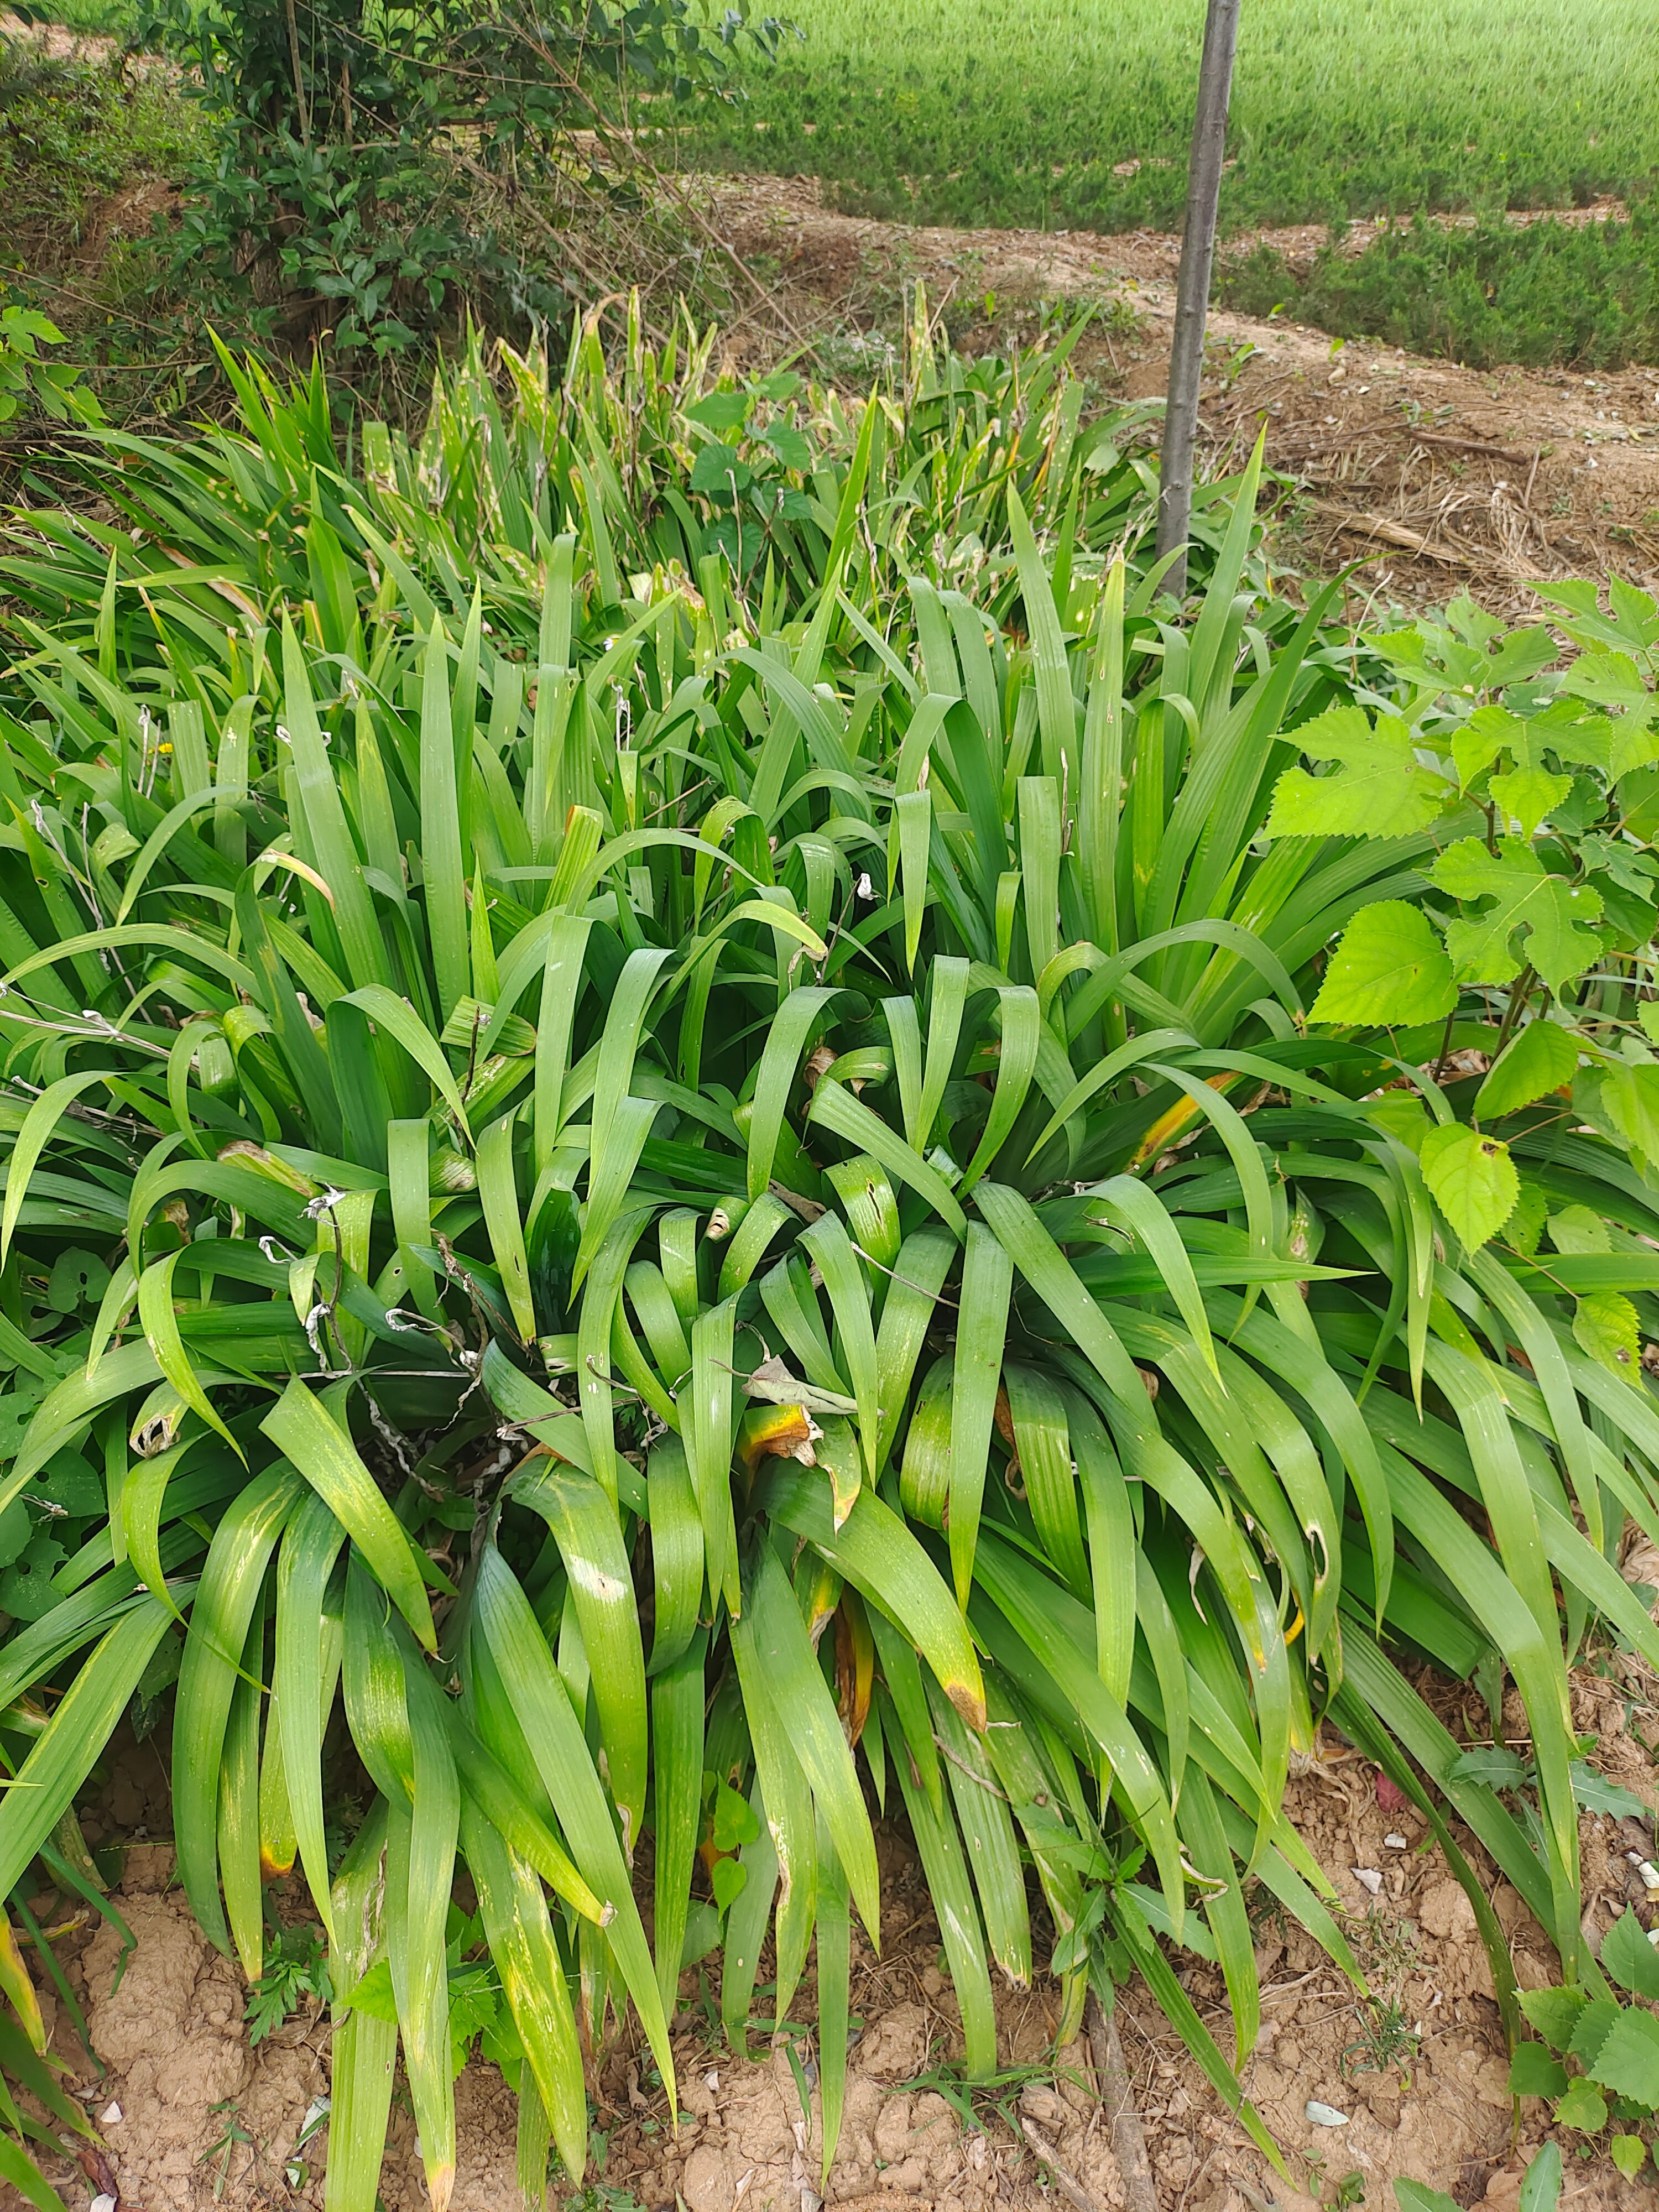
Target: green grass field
[{"x": 982, "y": 112}]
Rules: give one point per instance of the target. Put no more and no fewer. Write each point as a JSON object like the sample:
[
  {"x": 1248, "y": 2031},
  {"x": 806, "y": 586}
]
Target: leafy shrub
[
  {"x": 28, "y": 376},
  {"x": 1582, "y": 294},
  {"x": 1526, "y": 914},
  {"x": 338, "y": 196},
  {"x": 716, "y": 1159},
  {"x": 72, "y": 132},
  {"x": 1597, "y": 2059}
]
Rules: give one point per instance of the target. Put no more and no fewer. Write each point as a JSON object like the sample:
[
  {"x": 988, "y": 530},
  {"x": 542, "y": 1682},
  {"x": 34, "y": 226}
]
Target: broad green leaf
[
  {"x": 1534, "y": 2072},
  {"x": 1628, "y": 2153},
  {"x": 1477, "y": 743},
  {"x": 1582, "y": 2107},
  {"x": 1555, "y": 2013},
  {"x": 1533, "y": 916},
  {"x": 1630, "y": 1098},
  {"x": 1628, "y": 2060},
  {"x": 1575, "y": 1230},
  {"x": 1607, "y": 1328},
  {"x": 1472, "y": 1179},
  {"x": 1403, "y": 1115},
  {"x": 1541, "y": 1059},
  {"x": 1417, "y": 2196},
  {"x": 1629, "y": 1959},
  {"x": 1612, "y": 679},
  {"x": 1596, "y": 2023},
  {"x": 1388, "y": 968},
  {"x": 1378, "y": 789},
  {"x": 1526, "y": 1224},
  {"x": 1528, "y": 795}
]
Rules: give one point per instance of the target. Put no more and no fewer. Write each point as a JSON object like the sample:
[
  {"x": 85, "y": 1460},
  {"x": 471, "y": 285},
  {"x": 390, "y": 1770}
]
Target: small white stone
[
  {"x": 103, "y": 2204},
  {"x": 711, "y": 2080},
  {"x": 1325, "y": 2115},
  {"x": 1370, "y": 1877},
  {"x": 108, "y": 2118},
  {"x": 1396, "y": 1843}
]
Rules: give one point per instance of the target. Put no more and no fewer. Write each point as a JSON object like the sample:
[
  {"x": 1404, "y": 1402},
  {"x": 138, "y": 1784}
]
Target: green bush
[
  {"x": 1597, "y": 2056},
  {"x": 670, "y": 1066},
  {"x": 340, "y": 195},
  {"x": 71, "y": 133}
]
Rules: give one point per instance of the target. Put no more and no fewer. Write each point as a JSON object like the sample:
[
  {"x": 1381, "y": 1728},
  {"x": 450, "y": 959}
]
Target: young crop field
[
  {"x": 1497, "y": 291},
  {"x": 1075, "y": 116}
]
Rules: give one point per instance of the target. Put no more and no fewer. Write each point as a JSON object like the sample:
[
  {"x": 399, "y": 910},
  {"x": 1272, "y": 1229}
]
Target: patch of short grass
[
  {"x": 1580, "y": 295},
  {"x": 1076, "y": 113}
]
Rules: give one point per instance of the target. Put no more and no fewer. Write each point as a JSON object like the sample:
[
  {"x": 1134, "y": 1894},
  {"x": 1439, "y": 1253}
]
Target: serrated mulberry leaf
[
  {"x": 1379, "y": 789},
  {"x": 1547, "y": 916}
]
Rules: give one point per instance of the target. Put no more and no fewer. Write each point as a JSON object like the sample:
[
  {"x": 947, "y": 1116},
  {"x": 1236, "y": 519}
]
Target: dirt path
[{"x": 1437, "y": 478}]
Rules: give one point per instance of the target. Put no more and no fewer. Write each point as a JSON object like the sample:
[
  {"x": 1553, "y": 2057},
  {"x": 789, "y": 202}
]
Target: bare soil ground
[
  {"x": 193, "y": 2118},
  {"x": 1434, "y": 476}
]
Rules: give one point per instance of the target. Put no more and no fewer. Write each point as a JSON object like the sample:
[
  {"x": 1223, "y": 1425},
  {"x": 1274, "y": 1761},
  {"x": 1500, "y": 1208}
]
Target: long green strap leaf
[
  {"x": 301, "y": 1427},
  {"x": 231, "y": 1584}
]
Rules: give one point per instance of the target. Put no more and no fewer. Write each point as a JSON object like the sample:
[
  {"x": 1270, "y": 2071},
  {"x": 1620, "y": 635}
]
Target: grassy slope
[
  {"x": 983, "y": 112},
  {"x": 72, "y": 132}
]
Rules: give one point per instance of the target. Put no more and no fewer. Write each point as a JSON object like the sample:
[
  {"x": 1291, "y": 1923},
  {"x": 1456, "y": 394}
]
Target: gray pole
[{"x": 1215, "y": 82}]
